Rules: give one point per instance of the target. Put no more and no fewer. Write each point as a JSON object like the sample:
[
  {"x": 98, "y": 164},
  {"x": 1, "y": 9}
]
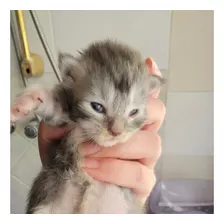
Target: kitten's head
[{"x": 109, "y": 86}]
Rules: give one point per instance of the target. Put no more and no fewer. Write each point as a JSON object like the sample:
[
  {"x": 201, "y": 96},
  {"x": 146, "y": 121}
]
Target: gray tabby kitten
[{"x": 103, "y": 96}]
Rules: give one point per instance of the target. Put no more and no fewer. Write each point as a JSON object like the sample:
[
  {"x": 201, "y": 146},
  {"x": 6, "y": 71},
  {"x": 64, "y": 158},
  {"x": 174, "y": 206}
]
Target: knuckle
[
  {"x": 158, "y": 148},
  {"x": 162, "y": 107},
  {"x": 141, "y": 174},
  {"x": 152, "y": 180},
  {"x": 146, "y": 180},
  {"x": 156, "y": 142}
]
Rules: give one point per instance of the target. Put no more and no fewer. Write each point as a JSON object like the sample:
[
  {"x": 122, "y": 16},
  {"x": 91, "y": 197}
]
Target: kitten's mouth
[{"x": 110, "y": 140}]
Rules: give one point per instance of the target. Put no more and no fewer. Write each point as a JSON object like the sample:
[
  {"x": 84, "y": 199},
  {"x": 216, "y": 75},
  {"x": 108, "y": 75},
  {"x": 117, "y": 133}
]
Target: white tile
[
  {"x": 187, "y": 167},
  {"x": 28, "y": 166},
  {"x": 48, "y": 80},
  {"x": 191, "y": 58},
  {"x": 18, "y": 147},
  {"x": 35, "y": 143},
  {"x": 188, "y": 128},
  {"x": 83, "y": 27},
  {"x": 18, "y": 196}
]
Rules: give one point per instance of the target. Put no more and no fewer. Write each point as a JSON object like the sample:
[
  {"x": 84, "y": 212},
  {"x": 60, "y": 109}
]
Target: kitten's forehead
[
  {"x": 116, "y": 63},
  {"x": 117, "y": 99},
  {"x": 116, "y": 73}
]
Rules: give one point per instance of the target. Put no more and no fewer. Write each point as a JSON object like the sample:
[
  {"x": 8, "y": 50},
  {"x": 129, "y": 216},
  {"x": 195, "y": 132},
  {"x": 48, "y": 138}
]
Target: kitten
[{"x": 103, "y": 96}]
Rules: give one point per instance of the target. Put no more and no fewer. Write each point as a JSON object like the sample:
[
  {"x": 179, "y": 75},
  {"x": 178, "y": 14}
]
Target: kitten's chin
[
  {"x": 113, "y": 141},
  {"x": 107, "y": 143}
]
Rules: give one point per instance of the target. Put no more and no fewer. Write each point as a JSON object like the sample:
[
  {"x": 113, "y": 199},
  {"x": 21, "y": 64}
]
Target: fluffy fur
[{"x": 115, "y": 78}]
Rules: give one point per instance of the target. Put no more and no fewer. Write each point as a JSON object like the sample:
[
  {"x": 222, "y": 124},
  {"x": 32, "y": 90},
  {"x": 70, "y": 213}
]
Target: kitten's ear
[
  {"x": 155, "y": 76},
  {"x": 155, "y": 82},
  {"x": 152, "y": 66},
  {"x": 69, "y": 66}
]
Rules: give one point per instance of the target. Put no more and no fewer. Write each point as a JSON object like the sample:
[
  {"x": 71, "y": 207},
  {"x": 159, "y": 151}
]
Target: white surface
[
  {"x": 28, "y": 166},
  {"x": 18, "y": 146},
  {"x": 191, "y": 59},
  {"x": 189, "y": 124},
  {"x": 25, "y": 161},
  {"x": 147, "y": 31},
  {"x": 18, "y": 194},
  {"x": 185, "y": 166}
]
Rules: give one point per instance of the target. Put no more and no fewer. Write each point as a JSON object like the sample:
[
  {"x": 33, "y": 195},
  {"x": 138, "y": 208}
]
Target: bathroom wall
[
  {"x": 137, "y": 28},
  {"x": 188, "y": 128}
]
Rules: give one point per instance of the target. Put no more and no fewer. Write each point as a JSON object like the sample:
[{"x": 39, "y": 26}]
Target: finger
[
  {"x": 153, "y": 69},
  {"x": 45, "y": 135},
  {"x": 49, "y": 133},
  {"x": 156, "y": 113},
  {"x": 151, "y": 162},
  {"x": 155, "y": 95},
  {"x": 123, "y": 173},
  {"x": 143, "y": 146}
]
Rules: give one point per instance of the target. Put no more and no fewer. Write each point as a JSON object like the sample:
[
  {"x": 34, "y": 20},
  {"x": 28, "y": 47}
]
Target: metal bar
[
  {"x": 17, "y": 54},
  {"x": 45, "y": 45},
  {"x": 22, "y": 29}
]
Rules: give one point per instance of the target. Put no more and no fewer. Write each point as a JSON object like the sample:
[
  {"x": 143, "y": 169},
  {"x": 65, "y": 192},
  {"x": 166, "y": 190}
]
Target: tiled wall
[
  {"x": 191, "y": 52},
  {"x": 188, "y": 128},
  {"x": 147, "y": 31},
  {"x": 25, "y": 162}
]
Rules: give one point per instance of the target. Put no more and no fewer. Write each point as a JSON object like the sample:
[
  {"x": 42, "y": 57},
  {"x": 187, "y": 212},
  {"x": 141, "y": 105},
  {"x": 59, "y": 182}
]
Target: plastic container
[{"x": 182, "y": 197}]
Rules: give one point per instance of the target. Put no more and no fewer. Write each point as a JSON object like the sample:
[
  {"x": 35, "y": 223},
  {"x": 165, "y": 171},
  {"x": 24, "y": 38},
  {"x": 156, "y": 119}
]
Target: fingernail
[
  {"x": 88, "y": 149},
  {"x": 90, "y": 163}
]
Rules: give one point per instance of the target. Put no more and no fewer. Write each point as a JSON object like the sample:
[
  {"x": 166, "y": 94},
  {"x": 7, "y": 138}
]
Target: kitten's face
[
  {"x": 113, "y": 116},
  {"x": 110, "y": 86}
]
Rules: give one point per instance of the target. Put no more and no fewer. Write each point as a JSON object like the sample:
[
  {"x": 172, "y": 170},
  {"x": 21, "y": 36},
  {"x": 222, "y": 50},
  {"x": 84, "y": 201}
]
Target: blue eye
[
  {"x": 98, "y": 107},
  {"x": 133, "y": 112}
]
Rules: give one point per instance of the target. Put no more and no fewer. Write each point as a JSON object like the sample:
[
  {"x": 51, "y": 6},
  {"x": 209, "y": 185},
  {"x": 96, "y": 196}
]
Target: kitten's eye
[
  {"x": 133, "y": 112},
  {"x": 98, "y": 107}
]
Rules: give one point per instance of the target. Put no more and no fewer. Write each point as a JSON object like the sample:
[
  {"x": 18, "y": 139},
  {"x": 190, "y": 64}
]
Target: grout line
[
  {"x": 21, "y": 155},
  {"x": 19, "y": 158},
  {"x": 16, "y": 178},
  {"x": 34, "y": 144}
]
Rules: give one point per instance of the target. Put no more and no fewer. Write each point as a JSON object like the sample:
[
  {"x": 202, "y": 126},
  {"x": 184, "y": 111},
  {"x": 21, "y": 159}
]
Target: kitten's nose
[
  {"x": 116, "y": 127},
  {"x": 114, "y": 133}
]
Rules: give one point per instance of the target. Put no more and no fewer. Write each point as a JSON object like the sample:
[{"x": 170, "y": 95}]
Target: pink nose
[
  {"x": 115, "y": 127},
  {"x": 114, "y": 133}
]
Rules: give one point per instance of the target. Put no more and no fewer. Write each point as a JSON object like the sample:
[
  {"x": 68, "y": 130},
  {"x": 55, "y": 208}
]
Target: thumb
[{"x": 49, "y": 133}]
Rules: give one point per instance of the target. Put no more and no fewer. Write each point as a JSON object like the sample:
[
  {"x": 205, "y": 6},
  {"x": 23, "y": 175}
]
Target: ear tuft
[
  {"x": 155, "y": 82},
  {"x": 66, "y": 62},
  {"x": 71, "y": 68}
]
